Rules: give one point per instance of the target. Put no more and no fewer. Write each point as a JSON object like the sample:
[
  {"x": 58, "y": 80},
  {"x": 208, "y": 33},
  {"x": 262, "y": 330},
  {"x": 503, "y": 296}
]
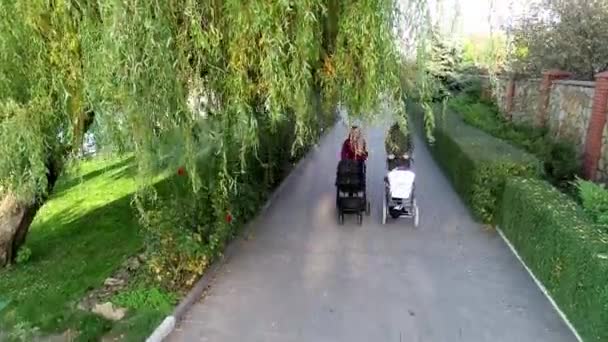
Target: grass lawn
[{"x": 78, "y": 239}]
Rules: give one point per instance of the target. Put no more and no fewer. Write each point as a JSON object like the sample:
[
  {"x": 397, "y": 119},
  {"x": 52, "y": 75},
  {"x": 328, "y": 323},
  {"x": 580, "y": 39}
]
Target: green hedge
[
  {"x": 559, "y": 157},
  {"x": 564, "y": 249},
  {"x": 478, "y": 164}
]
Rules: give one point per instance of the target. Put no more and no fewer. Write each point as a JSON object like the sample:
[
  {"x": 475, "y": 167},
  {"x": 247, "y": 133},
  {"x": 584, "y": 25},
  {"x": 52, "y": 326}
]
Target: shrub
[
  {"x": 144, "y": 298},
  {"x": 185, "y": 231},
  {"x": 561, "y": 163},
  {"x": 478, "y": 164},
  {"x": 564, "y": 249},
  {"x": 23, "y": 255},
  {"x": 594, "y": 198},
  {"x": 559, "y": 158},
  {"x": 184, "y": 240}
]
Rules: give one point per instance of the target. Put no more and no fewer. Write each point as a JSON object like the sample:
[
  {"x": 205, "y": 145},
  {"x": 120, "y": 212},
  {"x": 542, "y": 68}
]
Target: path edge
[
  {"x": 540, "y": 285},
  {"x": 167, "y": 326}
]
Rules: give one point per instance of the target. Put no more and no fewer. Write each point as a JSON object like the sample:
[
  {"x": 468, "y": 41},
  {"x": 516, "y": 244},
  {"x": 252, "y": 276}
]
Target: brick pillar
[
  {"x": 595, "y": 129},
  {"x": 549, "y": 77},
  {"x": 509, "y": 98}
]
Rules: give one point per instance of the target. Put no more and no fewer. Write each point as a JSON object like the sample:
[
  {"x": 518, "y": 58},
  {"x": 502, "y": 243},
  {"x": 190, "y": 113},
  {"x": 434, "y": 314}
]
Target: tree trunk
[
  {"x": 15, "y": 219},
  {"x": 17, "y": 216}
]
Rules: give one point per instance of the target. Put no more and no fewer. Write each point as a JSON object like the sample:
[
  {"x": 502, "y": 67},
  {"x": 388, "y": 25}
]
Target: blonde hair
[{"x": 356, "y": 141}]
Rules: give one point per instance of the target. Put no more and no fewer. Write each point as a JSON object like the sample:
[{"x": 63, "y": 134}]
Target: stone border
[
  {"x": 170, "y": 322},
  {"x": 540, "y": 286}
]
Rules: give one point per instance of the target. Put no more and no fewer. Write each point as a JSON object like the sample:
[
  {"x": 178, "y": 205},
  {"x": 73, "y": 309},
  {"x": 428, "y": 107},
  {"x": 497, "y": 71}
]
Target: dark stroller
[{"x": 351, "y": 194}]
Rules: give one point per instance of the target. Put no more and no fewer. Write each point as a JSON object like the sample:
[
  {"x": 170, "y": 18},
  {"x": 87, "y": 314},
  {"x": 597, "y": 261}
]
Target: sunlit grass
[{"x": 84, "y": 233}]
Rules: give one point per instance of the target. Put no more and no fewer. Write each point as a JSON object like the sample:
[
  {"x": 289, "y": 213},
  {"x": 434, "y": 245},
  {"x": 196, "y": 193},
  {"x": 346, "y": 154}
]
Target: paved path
[{"x": 305, "y": 278}]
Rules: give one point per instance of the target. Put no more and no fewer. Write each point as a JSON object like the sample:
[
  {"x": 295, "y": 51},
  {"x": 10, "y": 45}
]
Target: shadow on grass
[
  {"x": 81, "y": 238},
  {"x": 66, "y": 183},
  {"x": 66, "y": 263}
]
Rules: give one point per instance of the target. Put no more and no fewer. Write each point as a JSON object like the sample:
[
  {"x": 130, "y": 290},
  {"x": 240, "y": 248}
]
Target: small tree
[{"x": 445, "y": 59}]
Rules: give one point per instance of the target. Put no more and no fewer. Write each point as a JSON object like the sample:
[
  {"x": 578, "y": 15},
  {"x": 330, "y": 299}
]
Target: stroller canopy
[{"x": 401, "y": 183}]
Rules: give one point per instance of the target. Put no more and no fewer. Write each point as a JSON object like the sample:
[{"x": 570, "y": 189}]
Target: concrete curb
[
  {"x": 540, "y": 286},
  {"x": 170, "y": 322},
  {"x": 163, "y": 330}
]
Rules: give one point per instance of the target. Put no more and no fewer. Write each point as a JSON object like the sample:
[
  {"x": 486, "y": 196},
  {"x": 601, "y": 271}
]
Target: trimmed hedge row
[
  {"x": 478, "y": 164},
  {"x": 502, "y": 184},
  {"x": 559, "y": 157},
  {"x": 564, "y": 249}
]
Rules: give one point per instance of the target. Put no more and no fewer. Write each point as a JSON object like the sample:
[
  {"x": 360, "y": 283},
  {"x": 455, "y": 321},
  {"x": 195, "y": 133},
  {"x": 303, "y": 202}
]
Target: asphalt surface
[{"x": 303, "y": 277}]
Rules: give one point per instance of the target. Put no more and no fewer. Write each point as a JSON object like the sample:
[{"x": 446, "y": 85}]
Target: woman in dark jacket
[{"x": 354, "y": 147}]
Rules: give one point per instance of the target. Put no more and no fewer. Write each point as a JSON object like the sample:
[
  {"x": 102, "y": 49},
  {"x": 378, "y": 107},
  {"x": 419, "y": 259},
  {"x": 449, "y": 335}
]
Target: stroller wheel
[
  {"x": 360, "y": 219},
  {"x": 416, "y": 216},
  {"x": 368, "y": 209},
  {"x": 341, "y": 218}
]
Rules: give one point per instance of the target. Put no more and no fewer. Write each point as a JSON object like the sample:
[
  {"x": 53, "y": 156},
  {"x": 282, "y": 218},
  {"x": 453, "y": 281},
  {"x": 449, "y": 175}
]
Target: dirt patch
[{"x": 112, "y": 285}]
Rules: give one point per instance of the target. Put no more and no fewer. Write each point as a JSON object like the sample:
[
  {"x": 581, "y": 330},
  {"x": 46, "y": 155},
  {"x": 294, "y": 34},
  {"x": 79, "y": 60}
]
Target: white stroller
[{"x": 399, "y": 200}]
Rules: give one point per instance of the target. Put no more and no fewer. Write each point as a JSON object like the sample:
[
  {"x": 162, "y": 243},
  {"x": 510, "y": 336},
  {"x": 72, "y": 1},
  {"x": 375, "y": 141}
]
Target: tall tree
[{"x": 564, "y": 34}]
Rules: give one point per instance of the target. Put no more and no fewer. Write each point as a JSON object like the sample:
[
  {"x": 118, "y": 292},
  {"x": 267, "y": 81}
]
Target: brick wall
[{"x": 574, "y": 111}]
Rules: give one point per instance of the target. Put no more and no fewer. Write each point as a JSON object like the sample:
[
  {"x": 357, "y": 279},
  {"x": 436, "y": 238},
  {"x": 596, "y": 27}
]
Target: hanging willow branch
[
  {"x": 213, "y": 85},
  {"x": 135, "y": 63}
]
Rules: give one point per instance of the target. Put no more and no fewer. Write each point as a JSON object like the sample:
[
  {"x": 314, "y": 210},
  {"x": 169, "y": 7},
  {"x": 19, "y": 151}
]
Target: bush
[
  {"x": 564, "y": 249},
  {"x": 478, "y": 164},
  {"x": 594, "y": 198},
  {"x": 144, "y": 298},
  {"x": 185, "y": 231},
  {"x": 559, "y": 158},
  {"x": 23, "y": 255},
  {"x": 190, "y": 230}
]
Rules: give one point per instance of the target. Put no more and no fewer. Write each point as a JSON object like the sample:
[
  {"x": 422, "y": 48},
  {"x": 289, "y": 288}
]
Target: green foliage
[
  {"x": 79, "y": 238},
  {"x": 397, "y": 142},
  {"x": 23, "y": 332},
  {"x": 564, "y": 249},
  {"x": 184, "y": 81},
  {"x": 478, "y": 164},
  {"x": 42, "y": 103},
  {"x": 567, "y": 35},
  {"x": 24, "y": 255},
  {"x": 186, "y": 230},
  {"x": 230, "y": 93},
  {"x": 445, "y": 59},
  {"x": 137, "y": 327},
  {"x": 90, "y": 327},
  {"x": 146, "y": 298},
  {"x": 560, "y": 161},
  {"x": 488, "y": 52},
  {"x": 417, "y": 86},
  {"x": 594, "y": 199}
]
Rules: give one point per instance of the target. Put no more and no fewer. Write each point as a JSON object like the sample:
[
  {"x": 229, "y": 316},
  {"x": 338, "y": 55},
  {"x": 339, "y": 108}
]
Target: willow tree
[
  {"x": 135, "y": 63},
  {"x": 43, "y": 109}
]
